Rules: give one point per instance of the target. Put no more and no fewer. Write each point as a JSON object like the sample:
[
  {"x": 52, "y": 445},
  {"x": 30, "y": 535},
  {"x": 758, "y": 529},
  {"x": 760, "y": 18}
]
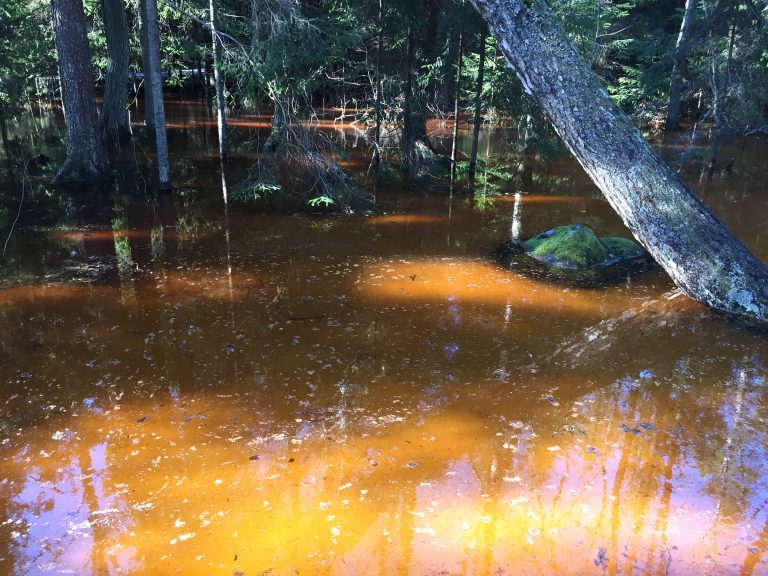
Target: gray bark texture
[
  {"x": 678, "y": 68},
  {"x": 156, "y": 88},
  {"x": 281, "y": 117},
  {"x": 704, "y": 259},
  {"x": 86, "y": 159},
  {"x": 114, "y": 114}
]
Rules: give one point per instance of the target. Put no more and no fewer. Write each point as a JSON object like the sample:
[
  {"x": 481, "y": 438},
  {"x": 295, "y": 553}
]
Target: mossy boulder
[
  {"x": 620, "y": 249},
  {"x": 577, "y": 247}
]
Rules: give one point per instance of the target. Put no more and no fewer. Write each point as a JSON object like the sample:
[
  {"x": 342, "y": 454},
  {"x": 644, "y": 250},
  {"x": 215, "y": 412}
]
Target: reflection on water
[{"x": 194, "y": 392}]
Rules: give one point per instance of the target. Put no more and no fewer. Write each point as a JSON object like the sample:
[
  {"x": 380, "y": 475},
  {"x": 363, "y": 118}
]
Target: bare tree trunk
[
  {"x": 86, "y": 158},
  {"x": 478, "y": 108},
  {"x": 716, "y": 109},
  {"x": 221, "y": 115},
  {"x": 698, "y": 252},
  {"x": 280, "y": 119},
  {"x": 414, "y": 143},
  {"x": 721, "y": 122},
  {"x": 456, "y": 98},
  {"x": 156, "y": 89},
  {"x": 114, "y": 114},
  {"x": 681, "y": 55},
  {"x": 379, "y": 85},
  {"x": 409, "y": 136},
  {"x": 146, "y": 67},
  {"x": 6, "y": 143},
  {"x": 4, "y": 134}
]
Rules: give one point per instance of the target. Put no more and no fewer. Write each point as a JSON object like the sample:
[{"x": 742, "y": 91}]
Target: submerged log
[{"x": 700, "y": 254}]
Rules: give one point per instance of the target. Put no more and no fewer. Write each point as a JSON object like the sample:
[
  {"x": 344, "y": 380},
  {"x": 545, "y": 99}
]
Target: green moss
[
  {"x": 620, "y": 248},
  {"x": 574, "y": 246},
  {"x": 578, "y": 247}
]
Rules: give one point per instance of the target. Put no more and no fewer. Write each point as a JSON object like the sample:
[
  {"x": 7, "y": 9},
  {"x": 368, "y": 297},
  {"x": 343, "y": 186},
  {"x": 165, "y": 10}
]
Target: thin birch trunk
[{"x": 221, "y": 114}]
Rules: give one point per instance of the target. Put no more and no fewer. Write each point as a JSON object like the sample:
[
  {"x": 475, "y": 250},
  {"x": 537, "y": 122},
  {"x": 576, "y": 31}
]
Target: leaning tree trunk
[
  {"x": 156, "y": 88},
  {"x": 114, "y": 114},
  {"x": 699, "y": 253},
  {"x": 86, "y": 158},
  {"x": 681, "y": 54}
]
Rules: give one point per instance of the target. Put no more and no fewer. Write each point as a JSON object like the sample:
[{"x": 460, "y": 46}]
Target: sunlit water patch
[{"x": 277, "y": 394}]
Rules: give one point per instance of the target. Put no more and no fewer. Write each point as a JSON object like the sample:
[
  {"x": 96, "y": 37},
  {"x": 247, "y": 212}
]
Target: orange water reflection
[
  {"x": 351, "y": 395},
  {"x": 258, "y": 480}
]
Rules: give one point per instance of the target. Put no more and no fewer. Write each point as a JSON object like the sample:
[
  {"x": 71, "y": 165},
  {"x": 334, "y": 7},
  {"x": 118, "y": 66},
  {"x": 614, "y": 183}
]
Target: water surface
[{"x": 267, "y": 393}]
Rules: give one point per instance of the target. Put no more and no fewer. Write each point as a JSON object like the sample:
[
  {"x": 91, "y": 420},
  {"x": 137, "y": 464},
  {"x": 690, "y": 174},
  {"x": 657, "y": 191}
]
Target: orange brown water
[{"x": 374, "y": 395}]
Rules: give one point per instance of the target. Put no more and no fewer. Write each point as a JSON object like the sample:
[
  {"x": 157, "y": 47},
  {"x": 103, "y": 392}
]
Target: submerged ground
[{"x": 267, "y": 393}]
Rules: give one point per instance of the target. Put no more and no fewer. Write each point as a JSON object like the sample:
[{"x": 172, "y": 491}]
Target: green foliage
[
  {"x": 321, "y": 201},
  {"x": 492, "y": 175},
  {"x": 26, "y": 51},
  {"x": 253, "y": 192}
]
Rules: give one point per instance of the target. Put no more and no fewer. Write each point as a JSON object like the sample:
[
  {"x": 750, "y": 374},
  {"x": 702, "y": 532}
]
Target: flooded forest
[{"x": 351, "y": 287}]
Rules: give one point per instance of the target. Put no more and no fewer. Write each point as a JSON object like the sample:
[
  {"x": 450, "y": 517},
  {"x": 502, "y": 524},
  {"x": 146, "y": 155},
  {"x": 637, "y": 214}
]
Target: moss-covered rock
[
  {"x": 620, "y": 249},
  {"x": 573, "y": 246},
  {"x": 578, "y": 247}
]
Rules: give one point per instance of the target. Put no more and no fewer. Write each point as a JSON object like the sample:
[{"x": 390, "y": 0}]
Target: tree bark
[
  {"x": 156, "y": 88},
  {"x": 4, "y": 134},
  {"x": 699, "y": 253},
  {"x": 6, "y": 144},
  {"x": 456, "y": 98},
  {"x": 146, "y": 67},
  {"x": 281, "y": 116},
  {"x": 114, "y": 113},
  {"x": 221, "y": 115},
  {"x": 478, "y": 108},
  {"x": 410, "y": 123},
  {"x": 379, "y": 85},
  {"x": 414, "y": 144},
  {"x": 86, "y": 159},
  {"x": 681, "y": 55}
]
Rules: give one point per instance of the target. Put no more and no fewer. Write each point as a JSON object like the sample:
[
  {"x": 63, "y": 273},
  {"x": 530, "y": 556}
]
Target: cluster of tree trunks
[
  {"x": 86, "y": 155},
  {"x": 700, "y": 254}
]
